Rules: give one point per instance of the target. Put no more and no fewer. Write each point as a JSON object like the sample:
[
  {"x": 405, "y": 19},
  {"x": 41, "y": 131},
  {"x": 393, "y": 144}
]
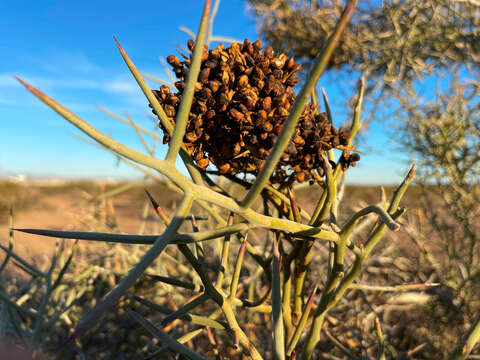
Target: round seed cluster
[{"x": 242, "y": 98}]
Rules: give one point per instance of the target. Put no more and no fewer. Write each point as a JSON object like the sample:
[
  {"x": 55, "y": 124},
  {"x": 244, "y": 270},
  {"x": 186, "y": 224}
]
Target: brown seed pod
[
  {"x": 354, "y": 157},
  {"x": 172, "y": 99},
  {"x": 262, "y": 115},
  {"x": 179, "y": 85},
  {"x": 242, "y": 98},
  {"x": 281, "y": 111},
  {"x": 267, "y": 126},
  {"x": 191, "y": 137},
  {"x": 204, "y": 75},
  {"x": 203, "y": 163},
  {"x": 210, "y": 114},
  {"x": 277, "y": 129},
  {"x": 199, "y": 155},
  {"x": 267, "y": 103},
  {"x": 224, "y": 168},
  {"x": 169, "y": 110},
  {"x": 298, "y": 140},
  {"x": 237, "y": 115},
  {"x": 300, "y": 176},
  {"x": 173, "y": 60},
  {"x": 214, "y": 85},
  {"x": 190, "y": 44},
  {"x": 242, "y": 81}
]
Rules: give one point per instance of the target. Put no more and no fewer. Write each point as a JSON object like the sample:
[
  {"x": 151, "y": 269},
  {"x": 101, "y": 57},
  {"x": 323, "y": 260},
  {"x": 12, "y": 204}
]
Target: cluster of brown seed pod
[{"x": 242, "y": 98}]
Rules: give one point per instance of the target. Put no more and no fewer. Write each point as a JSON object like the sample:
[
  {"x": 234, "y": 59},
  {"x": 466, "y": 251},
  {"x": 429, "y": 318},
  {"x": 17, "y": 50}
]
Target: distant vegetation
[{"x": 268, "y": 266}]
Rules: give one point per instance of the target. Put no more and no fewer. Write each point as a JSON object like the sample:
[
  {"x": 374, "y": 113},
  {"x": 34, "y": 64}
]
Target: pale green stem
[
  {"x": 286, "y": 301},
  {"x": 129, "y": 280},
  {"x": 326, "y": 103},
  {"x": 188, "y": 32},
  {"x": 463, "y": 349},
  {"x": 194, "y": 319},
  {"x": 330, "y": 153},
  {"x": 225, "y": 39},
  {"x": 338, "y": 198},
  {"x": 290, "y": 124},
  {"x": 331, "y": 193},
  {"x": 342, "y": 347},
  {"x": 120, "y": 189},
  {"x": 301, "y": 267},
  {"x": 200, "y": 269},
  {"x": 142, "y": 169},
  {"x": 163, "y": 337},
  {"x": 183, "y": 113},
  {"x": 338, "y": 172},
  {"x": 139, "y": 135},
  {"x": 9, "y": 251},
  {"x": 65, "y": 266},
  {"x": 189, "y": 336},
  {"x": 182, "y": 340},
  {"x": 167, "y": 70},
  {"x": 146, "y": 90},
  {"x": 396, "y": 288},
  {"x": 184, "y": 309},
  {"x": 302, "y": 322},
  {"x": 251, "y": 352},
  {"x": 253, "y": 282},
  {"x": 285, "y": 199},
  {"x": 29, "y": 312},
  {"x": 186, "y": 238},
  {"x": 304, "y": 260},
  {"x": 277, "y": 316},
  {"x": 238, "y": 268},
  {"x": 381, "y": 340},
  {"x": 193, "y": 171},
  {"x": 45, "y": 298},
  {"x": 32, "y": 269},
  {"x": 168, "y": 170},
  {"x": 210, "y": 22},
  {"x": 313, "y": 337},
  {"x": 313, "y": 97},
  {"x": 334, "y": 278},
  {"x": 385, "y": 216},
  {"x": 122, "y": 119},
  {"x": 357, "y": 112},
  {"x": 294, "y": 206},
  {"x": 176, "y": 282},
  {"x": 224, "y": 256},
  {"x": 331, "y": 296},
  {"x": 159, "y": 81}
]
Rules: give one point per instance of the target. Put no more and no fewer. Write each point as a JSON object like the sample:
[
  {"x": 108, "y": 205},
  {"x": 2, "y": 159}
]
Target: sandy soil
[{"x": 71, "y": 209}]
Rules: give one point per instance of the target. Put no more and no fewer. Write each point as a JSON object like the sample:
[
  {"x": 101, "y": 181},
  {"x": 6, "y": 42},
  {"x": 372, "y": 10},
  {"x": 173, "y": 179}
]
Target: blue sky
[{"x": 65, "y": 49}]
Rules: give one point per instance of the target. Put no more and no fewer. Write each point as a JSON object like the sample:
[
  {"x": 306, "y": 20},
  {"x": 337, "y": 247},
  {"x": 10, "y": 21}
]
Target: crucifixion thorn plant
[{"x": 235, "y": 110}]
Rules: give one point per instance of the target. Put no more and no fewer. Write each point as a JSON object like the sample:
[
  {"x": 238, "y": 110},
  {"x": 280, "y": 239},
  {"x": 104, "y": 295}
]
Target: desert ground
[
  {"x": 418, "y": 323},
  {"x": 72, "y": 205}
]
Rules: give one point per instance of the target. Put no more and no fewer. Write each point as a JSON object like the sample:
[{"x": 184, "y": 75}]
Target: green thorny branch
[{"x": 286, "y": 330}]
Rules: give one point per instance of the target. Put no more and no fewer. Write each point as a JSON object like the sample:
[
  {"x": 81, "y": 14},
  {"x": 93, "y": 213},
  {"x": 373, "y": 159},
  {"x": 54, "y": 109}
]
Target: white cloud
[
  {"x": 65, "y": 62},
  {"x": 121, "y": 86},
  {"x": 63, "y": 74},
  {"x": 117, "y": 86}
]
